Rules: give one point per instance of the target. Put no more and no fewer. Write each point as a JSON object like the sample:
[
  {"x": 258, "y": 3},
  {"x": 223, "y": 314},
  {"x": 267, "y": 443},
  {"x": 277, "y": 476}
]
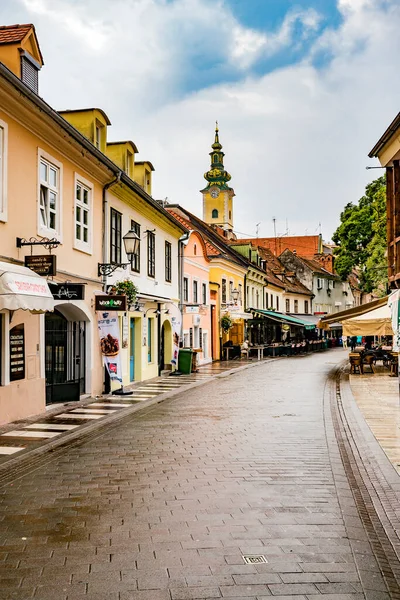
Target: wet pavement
[{"x": 241, "y": 488}]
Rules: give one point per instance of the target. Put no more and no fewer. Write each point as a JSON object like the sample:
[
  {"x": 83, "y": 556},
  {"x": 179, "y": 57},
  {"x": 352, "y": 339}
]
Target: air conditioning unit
[{"x": 196, "y": 320}]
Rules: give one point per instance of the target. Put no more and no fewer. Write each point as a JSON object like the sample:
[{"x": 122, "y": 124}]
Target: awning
[
  {"x": 375, "y": 322},
  {"x": 353, "y": 312},
  {"x": 281, "y": 318},
  {"x": 21, "y": 288}
]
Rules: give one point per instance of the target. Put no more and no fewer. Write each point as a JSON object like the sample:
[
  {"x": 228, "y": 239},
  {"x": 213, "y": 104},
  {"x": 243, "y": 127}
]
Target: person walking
[
  {"x": 344, "y": 341},
  {"x": 353, "y": 342}
]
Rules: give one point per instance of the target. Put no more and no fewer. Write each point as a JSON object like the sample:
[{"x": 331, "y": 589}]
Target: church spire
[{"x": 217, "y": 175}]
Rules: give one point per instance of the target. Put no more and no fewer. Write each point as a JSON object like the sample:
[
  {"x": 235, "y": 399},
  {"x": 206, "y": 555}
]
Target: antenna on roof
[
  {"x": 258, "y": 229},
  {"x": 274, "y": 222}
]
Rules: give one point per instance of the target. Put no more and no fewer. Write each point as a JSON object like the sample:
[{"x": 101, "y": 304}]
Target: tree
[{"x": 361, "y": 239}]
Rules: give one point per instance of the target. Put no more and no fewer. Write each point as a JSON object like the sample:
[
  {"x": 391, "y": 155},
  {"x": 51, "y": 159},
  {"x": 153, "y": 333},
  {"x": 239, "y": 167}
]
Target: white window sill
[{"x": 83, "y": 248}]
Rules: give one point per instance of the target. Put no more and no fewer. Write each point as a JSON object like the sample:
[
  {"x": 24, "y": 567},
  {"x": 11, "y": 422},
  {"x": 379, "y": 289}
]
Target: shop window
[
  {"x": 135, "y": 258},
  {"x": 214, "y": 214},
  {"x": 115, "y": 237},
  {"x": 168, "y": 261},
  {"x": 49, "y": 197},
  {"x": 151, "y": 254},
  {"x": 83, "y": 208},
  {"x": 3, "y": 171}
]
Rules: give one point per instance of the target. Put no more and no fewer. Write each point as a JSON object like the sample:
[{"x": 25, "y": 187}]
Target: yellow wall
[
  {"x": 86, "y": 120},
  {"x": 142, "y": 174},
  {"x": 123, "y": 155},
  {"x": 223, "y": 203}
]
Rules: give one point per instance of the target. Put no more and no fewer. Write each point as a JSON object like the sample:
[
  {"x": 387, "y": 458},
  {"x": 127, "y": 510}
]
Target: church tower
[{"x": 217, "y": 195}]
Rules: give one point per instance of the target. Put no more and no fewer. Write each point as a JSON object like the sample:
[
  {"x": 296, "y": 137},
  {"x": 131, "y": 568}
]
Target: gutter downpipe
[
  {"x": 182, "y": 243},
  {"x": 106, "y": 231}
]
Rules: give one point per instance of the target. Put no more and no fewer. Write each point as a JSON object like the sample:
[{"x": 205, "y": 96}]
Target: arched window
[
  {"x": 215, "y": 158},
  {"x": 195, "y": 249},
  {"x": 214, "y": 214}
]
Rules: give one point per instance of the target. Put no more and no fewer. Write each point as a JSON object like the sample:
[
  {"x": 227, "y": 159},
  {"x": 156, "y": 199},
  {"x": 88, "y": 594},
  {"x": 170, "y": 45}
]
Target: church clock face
[{"x": 215, "y": 193}]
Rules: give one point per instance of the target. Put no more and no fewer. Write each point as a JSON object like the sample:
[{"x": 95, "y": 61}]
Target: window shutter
[
  {"x": 191, "y": 337},
  {"x": 29, "y": 74},
  {"x": 201, "y": 338}
]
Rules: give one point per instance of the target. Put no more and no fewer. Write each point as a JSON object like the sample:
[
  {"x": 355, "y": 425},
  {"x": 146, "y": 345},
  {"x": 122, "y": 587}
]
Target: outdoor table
[
  {"x": 260, "y": 350},
  {"x": 226, "y": 350}
]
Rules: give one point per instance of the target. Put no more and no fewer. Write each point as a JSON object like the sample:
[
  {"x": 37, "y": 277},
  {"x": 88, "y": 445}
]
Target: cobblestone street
[{"x": 167, "y": 503}]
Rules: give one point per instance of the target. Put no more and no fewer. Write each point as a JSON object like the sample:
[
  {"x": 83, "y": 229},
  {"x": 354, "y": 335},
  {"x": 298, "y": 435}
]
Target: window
[
  {"x": 214, "y": 214},
  {"x": 195, "y": 292},
  {"x": 49, "y": 201},
  {"x": 257, "y": 298},
  {"x": 29, "y": 73},
  {"x": 195, "y": 249},
  {"x": 185, "y": 289},
  {"x": 240, "y": 288},
  {"x": 83, "y": 207},
  {"x": 151, "y": 254},
  {"x": 320, "y": 283},
  {"x": 97, "y": 139},
  {"x": 204, "y": 293},
  {"x": 277, "y": 303},
  {"x": 230, "y": 291},
  {"x": 306, "y": 307},
  {"x": 168, "y": 259},
  {"x": 215, "y": 158},
  {"x": 201, "y": 338},
  {"x": 191, "y": 337},
  {"x": 115, "y": 236},
  {"x": 129, "y": 163},
  {"x": 287, "y": 305},
  {"x": 135, "y": 258},
  {"x": 223, "y": 294},
  {"x": 149, "y": 340},
  {"x": 3, "y": 171},
  {"x": 296, "y": 306},
  {"x": 230, "y": 215}
]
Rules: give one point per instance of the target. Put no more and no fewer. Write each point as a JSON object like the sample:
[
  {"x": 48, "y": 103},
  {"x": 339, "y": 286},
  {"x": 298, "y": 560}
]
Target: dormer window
[
  {"x": 97, "y": 138},
  {"x": 29, "y": 72}
]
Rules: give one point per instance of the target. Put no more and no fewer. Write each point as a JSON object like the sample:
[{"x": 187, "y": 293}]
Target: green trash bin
[{"x": 185, "y": 358}]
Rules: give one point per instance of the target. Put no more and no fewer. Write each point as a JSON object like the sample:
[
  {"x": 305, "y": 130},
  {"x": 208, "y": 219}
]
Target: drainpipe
[
  {"x": 160, "y": 358},
  {"x": 181, "y": 246},
  {"x": 106, "y": 229}
]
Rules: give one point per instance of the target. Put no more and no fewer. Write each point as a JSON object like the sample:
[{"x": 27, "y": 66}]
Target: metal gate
[{"x": 64, "y": 358}]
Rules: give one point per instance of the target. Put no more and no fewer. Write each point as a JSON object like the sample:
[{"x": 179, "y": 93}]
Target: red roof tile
[{"x": 11, "y": 34}]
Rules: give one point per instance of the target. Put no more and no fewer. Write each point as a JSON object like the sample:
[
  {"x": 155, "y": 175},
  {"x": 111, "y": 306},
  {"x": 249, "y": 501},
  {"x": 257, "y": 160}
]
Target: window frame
[
  {"x": 306, "y": 307},
  {"x": 296, "y": 307},
  {"x": 195, "y": 285},
  {"x": 223, "y": 291},
  {"x": 213, "y": 215},
  {"x": 168, "y": 261},
  {"x": 79, "y": 244},
  {"x": 186, "y": 289},
  {"x": 3, "y": 171},
  {"x": 136, "y": 228},
  {"x": 117, "y": 259},
  {"x": 287, "y": 305},
  {"x": 149, "y": 340},
  {"x": 204, "y": 293},
  {"x": 151, "y": 254},
  {"x": 42, "y": 229}
]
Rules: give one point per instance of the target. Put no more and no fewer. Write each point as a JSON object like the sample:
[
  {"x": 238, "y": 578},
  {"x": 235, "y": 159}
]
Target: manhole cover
[{"x": 253, "y": 559}]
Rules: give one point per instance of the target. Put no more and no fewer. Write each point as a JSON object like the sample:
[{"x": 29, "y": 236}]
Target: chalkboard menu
[{"x": 17, "y": 352}]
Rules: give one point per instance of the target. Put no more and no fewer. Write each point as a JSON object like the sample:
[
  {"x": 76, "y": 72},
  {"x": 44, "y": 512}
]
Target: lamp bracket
[{"x": 105, "y": 269}]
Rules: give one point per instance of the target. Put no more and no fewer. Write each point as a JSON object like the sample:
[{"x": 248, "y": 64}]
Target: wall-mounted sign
[
  {"x": 110, "y": 303},
  {"x": 191, "y": 310},
  {"x": 17, "y": 353},
  {"x": 44, "y": 264},
  {"x": 67, "y": 291}
]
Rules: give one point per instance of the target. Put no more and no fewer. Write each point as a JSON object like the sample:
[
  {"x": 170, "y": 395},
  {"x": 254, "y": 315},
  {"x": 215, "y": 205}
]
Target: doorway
[
  {"x": 166, "y": 345},
  {"x": 132, "y": 349},
  {"x": 65, "y": 351}
]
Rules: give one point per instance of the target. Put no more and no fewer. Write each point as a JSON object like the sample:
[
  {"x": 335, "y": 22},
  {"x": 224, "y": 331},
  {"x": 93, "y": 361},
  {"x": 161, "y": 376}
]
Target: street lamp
[
  {"x": 235, "y": 295},
  {"x": 131, "y": 244}
]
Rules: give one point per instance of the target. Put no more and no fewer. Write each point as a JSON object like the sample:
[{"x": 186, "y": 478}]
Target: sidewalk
[
  {"x": 377, "y": 396},
  {"x": 62, "y": 423}
]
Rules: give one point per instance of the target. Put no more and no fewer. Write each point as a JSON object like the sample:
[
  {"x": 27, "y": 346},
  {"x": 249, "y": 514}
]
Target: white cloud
[{"x": 296, "y": 139}]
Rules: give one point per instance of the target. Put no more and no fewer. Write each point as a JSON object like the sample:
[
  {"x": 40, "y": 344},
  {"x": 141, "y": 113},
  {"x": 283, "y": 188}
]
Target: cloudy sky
[{"x": 301, "y": 89}]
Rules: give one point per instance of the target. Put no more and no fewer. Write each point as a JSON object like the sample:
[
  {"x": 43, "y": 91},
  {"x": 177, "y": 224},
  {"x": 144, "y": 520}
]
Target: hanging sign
[
  {"x": 17, "y": 353},
  {"x": 44, "y": 264},
  {"x": 110, "y": 344},
  {"x": 67, "y": 291},
  {"x": 104, "y": 302}
]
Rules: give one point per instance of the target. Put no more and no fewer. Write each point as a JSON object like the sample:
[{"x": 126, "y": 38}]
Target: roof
[
  {"x": 305, "y": 245},
  {"x": 391, "y": 130},
  {"x": 79, "y": 110},
  {"x": 145, "y": 162},
  {"x": 314, "y": 265},
  {"x": 290, "y": 284},
  {"x": 122, "y": 142},
  {"x": 14, "y": 34},
  {"x": 215, "y": 243},
  {"x": 24, "y": 90}
]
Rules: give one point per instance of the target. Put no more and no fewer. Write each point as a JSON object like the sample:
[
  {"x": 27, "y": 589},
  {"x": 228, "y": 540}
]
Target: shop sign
[
  {"x": 108, "y": 303},
  {"x": 110, "y": 344},
  {"x": 191, "y": 310},
  {"x": 17, "y": 353},
  {"x": 67, "y": 291},
  {"x": 44, "y": 264}
]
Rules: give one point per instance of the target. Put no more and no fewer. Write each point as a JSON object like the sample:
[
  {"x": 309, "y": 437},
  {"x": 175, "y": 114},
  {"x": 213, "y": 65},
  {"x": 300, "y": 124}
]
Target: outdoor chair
[
  {"x": 369, "y": 361},
  {"x": 356, "y": 365}
]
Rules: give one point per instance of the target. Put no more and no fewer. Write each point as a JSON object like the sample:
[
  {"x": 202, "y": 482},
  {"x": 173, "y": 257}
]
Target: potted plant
[
  {"x": 128, "y": 288},
  {"x": 226, "y": 323}
]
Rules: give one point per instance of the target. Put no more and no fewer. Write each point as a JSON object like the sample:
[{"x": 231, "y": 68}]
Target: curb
[{"x": 25, "y": 462}]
